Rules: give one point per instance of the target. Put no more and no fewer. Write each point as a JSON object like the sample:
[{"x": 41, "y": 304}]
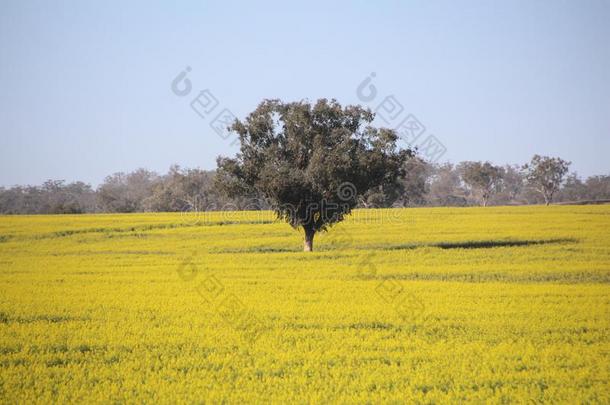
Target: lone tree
[
  {"x": 545, "y": 175},
  {"x": 484, "y": 179},
  {"x": 311, "y": 162}
]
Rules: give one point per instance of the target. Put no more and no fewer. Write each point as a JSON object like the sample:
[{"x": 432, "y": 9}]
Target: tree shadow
[{"x": 483, "y": 244}]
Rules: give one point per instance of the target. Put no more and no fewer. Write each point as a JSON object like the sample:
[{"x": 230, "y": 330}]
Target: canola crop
[{"x": 425, "y": 305}]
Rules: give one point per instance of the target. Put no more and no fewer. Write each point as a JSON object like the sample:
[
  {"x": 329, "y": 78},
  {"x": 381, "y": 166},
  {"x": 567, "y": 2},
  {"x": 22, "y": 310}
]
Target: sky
[{"x": 90, "y": 88}]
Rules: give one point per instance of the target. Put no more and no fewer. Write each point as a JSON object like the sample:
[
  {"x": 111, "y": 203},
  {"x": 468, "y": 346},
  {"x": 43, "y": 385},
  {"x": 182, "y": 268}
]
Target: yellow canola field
[{"x": 431, "y": 305}]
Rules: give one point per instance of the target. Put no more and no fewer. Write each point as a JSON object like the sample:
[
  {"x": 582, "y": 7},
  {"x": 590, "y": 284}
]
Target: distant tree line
[{"x": 542, "y": 180}]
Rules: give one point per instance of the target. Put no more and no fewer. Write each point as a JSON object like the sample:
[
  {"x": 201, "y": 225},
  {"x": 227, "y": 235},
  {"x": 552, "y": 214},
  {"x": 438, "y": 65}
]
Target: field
[{"x": 508, "y": 304}]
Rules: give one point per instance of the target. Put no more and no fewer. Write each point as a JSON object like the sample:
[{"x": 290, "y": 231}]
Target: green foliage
[{"x": 311, "y": 162}]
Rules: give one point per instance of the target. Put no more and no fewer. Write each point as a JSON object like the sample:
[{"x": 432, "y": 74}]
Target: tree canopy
[
  {"x": 546, "y": 174},
  {"x": 484, "y": 179},
  {"x": 311, "y": 162}
]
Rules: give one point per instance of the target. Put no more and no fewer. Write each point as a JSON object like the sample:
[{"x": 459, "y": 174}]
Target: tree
[
  {"x": 545, "y": 175},
  {"x": 484, "y": 179},
  {"x": 56, "y": 197},
  {"x": 512, "y": 185},
  {"x": 52, "y": 197},
  {"x": 382, "y": 196},
  {"x": 182, "y": 190},
  {"x": 126, "y": 192},
  {"x": 445, "y": 187},
  {"x": 598, "y": 187},
  {"x": 415, "y": 182},
  {"x": 573, "y": 189},
  {"x": 311, "y": 162}
]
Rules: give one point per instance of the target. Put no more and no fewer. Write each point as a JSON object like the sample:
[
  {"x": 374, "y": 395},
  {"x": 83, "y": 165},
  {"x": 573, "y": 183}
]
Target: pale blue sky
[{"x": 86, "y": 86}]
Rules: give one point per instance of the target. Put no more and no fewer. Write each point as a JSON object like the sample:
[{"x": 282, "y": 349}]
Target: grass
[{"x": 506, "y": 304}]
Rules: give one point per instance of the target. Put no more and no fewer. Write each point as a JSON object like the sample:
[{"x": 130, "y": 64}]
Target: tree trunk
[{"x": 308, "y": 245}]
